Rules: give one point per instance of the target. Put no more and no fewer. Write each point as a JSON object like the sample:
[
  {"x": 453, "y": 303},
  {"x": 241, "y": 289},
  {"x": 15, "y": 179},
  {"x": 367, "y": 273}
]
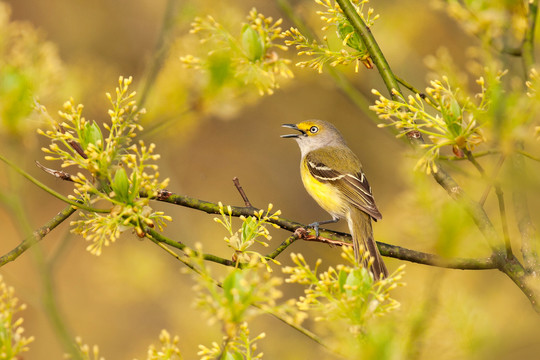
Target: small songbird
[{"x": 333, "y": 176}]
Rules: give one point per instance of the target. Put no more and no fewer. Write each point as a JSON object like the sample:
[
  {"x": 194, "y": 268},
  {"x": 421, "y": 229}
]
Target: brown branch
[
  {"x": 334, "y": 238},
  {"x": 241, "y": 191},
  {"x": 75, "y": 145}
]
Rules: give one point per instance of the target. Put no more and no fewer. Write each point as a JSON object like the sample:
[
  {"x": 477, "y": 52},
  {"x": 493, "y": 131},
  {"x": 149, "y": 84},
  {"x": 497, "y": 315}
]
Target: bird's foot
[{"x": 315, "y": 226}]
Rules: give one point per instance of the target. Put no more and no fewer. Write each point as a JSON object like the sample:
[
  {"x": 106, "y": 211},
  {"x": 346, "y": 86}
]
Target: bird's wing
[{"x": 353, "y": 184}]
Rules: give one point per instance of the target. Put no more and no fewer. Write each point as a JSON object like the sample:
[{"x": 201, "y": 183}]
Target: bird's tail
[{"x": 362, "y": 234}]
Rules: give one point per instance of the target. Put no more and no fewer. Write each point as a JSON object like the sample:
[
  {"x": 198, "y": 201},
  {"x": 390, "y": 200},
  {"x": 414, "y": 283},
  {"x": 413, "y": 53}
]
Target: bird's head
[{"x": 314, "y": 134}]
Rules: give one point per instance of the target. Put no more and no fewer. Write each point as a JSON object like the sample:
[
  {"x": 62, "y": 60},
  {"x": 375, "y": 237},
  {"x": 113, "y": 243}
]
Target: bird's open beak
[{"x": 292, "y": 126}]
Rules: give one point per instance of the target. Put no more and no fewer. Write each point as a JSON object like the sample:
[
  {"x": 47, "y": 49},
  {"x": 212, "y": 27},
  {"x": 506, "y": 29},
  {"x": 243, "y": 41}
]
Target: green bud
[
  {"x": 120, "y": 185},
  {"x": 249, "y": 227},
  {"x": 91, "y": 134},
  {"x": 16, "y": 94},
  {"x": 134, "y": 189},
  {"x": 451, "y": 112},
  {"x": 252, "y": 43},
  {"x": 232, "y": 355},
  {"x": 235, "y": 291},
  {"x": 342, "y": 280},
  {"x": 455, "y": 109}
]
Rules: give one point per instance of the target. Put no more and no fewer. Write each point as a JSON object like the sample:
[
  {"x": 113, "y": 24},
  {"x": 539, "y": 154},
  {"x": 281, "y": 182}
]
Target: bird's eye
[{"x": 313, "y": 129}]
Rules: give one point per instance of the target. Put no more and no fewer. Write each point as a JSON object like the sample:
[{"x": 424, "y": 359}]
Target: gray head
[{"x": 314, "y": 134}]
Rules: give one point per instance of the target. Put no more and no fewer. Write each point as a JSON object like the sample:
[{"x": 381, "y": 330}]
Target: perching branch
[
  {"x": 326, "y": 236},
  {"x": 401, "y": 253}
]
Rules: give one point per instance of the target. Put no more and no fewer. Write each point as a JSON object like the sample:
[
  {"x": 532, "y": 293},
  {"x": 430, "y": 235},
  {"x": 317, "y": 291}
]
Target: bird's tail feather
[{"x": 362, "y": 234}]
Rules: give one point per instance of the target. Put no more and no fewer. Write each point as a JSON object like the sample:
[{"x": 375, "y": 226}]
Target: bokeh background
[{"x": 122, "y": 299}]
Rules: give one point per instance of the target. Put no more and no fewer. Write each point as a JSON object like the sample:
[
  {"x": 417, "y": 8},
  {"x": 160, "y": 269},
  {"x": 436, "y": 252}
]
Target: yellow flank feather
[{"x": 327, "y": 196}]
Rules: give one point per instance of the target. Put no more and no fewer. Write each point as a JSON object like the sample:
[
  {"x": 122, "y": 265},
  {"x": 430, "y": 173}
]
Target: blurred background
[{"x": 122, "y": 299}]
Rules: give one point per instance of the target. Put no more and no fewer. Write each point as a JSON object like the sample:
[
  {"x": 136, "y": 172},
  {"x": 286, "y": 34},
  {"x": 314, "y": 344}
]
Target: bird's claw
[{"x": 315, "y": 227}]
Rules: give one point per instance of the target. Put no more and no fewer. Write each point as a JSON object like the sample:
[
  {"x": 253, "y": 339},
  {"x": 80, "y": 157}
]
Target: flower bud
[
  {"x": 120, "y": 185},
  {"x": 252, "y": 43},
  {"x": 91, "y": 134}
]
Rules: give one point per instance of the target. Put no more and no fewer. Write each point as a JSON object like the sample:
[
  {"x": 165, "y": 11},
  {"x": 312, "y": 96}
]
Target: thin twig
[
  {"x": 476, "y": 155},
  {"x": 51, "y": 191},
  {"x": 161, "y": 50},
  {"x": 504, "y": 221},
  {"x": 473, "y": 161},
  {"x": 491, "y": 181},
  {"x": 414, "y": 90},
  {"x": 241, "y": 191},
  {"x": 371, "y": 46},
  {"x": 529, "y": 234},
  {"x": 37, "y": 235},
  {"x": 175, "y": 255},
  {"x": 499, "y": 193},
  {"x": 342, "y": 82},
  {"x": 156, "y": 236},
  {"x": 528, "y": 40},
  {"x": 526, "y": 154}
]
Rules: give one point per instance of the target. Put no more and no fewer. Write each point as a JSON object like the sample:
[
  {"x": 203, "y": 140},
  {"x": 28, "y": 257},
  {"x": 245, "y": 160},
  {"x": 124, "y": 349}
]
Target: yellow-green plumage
[{"x": 333, "y": 176}]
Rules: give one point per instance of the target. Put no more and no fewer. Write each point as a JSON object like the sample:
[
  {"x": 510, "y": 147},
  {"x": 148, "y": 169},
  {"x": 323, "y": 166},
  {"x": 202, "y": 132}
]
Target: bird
[{"x": 332, "y": 174}]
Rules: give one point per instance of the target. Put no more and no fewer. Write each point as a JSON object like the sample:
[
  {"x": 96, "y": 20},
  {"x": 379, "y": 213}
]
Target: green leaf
[
  {"x": 360, "y": 281},
  {"x": 344, "y": 28}
]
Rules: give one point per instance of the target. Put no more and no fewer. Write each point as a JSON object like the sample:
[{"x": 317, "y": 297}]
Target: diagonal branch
[
  {"x": 529, "y": 234},
  {"x": 371, "y": 45},
  {"x": 37, "y": 235},
  {"x": 507, "y": 263},
  {"x": 527, "y": 53}
]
